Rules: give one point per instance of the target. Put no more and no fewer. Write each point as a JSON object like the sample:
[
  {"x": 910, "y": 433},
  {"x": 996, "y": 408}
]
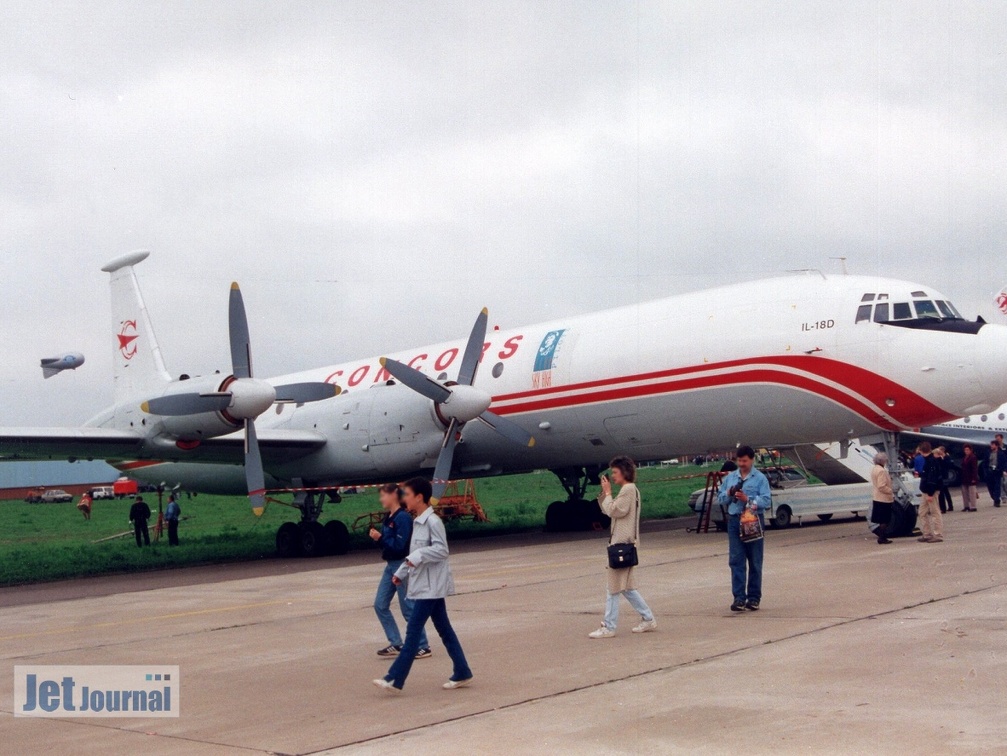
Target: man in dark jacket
[
  {"x": 995, "y": 468},
  {"x": 931, "y": 522},
  {"x": 139, "y": 513},
  {"x": 394, "y": 536}
]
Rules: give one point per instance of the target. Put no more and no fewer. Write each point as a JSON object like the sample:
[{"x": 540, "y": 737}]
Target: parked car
[
  {"x": 102, "y": 492},
  {"x": 55, "y": 496}
]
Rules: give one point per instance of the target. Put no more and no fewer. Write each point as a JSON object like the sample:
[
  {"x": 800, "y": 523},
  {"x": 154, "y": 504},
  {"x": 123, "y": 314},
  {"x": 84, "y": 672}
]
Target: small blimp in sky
[{"x": 68, "y": 361}]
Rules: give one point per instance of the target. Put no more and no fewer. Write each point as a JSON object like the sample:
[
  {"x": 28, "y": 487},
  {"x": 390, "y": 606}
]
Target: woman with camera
[{"x": 624, "y": 510}]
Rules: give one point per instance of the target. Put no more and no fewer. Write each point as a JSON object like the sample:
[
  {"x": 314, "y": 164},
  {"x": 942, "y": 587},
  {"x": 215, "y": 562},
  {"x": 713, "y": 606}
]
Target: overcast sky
[{"x": 375, "y": 173}]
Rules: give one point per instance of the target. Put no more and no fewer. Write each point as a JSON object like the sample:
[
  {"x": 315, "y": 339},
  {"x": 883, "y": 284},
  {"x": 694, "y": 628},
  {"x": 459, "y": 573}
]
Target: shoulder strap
[{"x": 636, "y": 537}]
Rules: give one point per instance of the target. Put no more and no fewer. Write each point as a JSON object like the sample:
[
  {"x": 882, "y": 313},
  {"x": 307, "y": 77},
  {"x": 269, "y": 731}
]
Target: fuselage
[{"x": 801, "y": 359}]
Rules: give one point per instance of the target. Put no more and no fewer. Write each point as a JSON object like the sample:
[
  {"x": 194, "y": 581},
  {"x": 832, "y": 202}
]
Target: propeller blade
[
  {"x": 508, "y": 429},
  {"x": 442, "y": 471},
  {"x": 241, "y": 348},
  {"x": 473, "y": 350},
  {"x": 299, "y": 393},
  {"x": 254, "y": 475},
  {"x": 415, "y": 380},
  {"x": 186, "y": 404}
]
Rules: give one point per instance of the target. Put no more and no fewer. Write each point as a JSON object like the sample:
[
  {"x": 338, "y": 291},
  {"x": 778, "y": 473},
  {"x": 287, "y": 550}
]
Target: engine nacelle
[{"x": 206, "y": 424}]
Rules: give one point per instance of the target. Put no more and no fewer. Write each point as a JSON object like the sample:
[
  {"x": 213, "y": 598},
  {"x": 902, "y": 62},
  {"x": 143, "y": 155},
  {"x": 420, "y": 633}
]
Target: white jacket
[{"x": 430, "y": 576}]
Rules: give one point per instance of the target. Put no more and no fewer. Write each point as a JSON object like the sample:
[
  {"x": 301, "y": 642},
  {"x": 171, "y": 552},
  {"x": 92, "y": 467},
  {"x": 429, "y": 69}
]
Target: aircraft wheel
[
  {"x": 312, "y": 539},
  {"x": 288, "y": 540},
  {"x": 337, "y": 537},
  {"x": 588, "y": 515},
  {"x": 783, "y": 516},
  {"x": 556, "y": 517},
  {"x": 825, "y": 517}
]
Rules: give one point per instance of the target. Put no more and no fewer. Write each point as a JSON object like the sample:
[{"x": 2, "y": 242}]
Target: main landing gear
[
  {"x": 576, "y": 513},
  {"x": 309, "y": 537}
]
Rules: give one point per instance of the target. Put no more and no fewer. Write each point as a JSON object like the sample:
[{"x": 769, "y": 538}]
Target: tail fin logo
[
  {"x": 1001, "y": 300},
  {"x": 127, "y": 338}
]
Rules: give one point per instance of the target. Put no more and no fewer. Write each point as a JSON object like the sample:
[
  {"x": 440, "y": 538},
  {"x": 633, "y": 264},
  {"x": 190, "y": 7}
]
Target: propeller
[
  {"x": 242, "y": 398},
  {"x": 458, "y": 403}
]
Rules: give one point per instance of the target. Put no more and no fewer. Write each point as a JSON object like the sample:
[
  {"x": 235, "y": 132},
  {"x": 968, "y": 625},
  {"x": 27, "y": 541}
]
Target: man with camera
[{"x": 745, "y": 488}]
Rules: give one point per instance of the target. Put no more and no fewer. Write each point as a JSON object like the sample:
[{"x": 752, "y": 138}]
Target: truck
[{"x": 124, "y": 487}]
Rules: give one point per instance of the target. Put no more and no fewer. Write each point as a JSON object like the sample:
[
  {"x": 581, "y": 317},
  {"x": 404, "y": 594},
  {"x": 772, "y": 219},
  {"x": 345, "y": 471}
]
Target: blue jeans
[
  {"x": 383, "y": 603},
  {"x": 635, "y": 600},
  {"x": 424, "y": 609},
  {"x": 740, "y": 555},
  {"x": 994, "y": 481}
]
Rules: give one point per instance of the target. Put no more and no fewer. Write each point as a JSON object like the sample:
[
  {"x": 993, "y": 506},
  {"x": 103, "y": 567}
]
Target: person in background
[
  {"x": 394, "y": 536},
  {"x": 931, "y": 522},
  {"x": 430, "y": 582},
  {"x": 745, "y": 487},
  {"x": 918, "y": 461},
  {"x": 171, "y": 515},
  {"x": 139, "y": 513},
  {"x": 943, "y": 494},
  {"x": 994, "y": 471},
  {"x": 883, "y": 495},
  {"x": 84, "y": 505},
  {"x": 970, "y": 479},
  {"x": 624, "y": 510}
]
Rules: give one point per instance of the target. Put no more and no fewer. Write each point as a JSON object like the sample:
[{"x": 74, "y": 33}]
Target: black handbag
[{"x": 623, "y": 555}]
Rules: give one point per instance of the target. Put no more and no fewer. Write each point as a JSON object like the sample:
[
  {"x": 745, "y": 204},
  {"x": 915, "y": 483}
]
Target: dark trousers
[
  {"x": 173, "y": 532},
  {"x": 140, "y": 529},
  {"x": 424, "y": 609},
  {"x": 994, "y": 478},
  {"x": 944, "y": 499},
  {"x": 742, "y": 555}
]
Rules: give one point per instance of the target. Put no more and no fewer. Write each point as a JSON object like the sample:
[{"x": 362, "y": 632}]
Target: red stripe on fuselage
[{"x": 909, "y": 408}]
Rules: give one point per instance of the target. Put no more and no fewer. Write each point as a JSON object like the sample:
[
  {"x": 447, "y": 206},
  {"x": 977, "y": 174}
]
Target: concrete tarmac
[{"x": 859, "y": 648}]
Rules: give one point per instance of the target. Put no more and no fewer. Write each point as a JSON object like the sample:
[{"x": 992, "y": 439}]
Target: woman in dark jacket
[
  {"x": 970, "y": 479},
  {"x": 943, "y": 494}
]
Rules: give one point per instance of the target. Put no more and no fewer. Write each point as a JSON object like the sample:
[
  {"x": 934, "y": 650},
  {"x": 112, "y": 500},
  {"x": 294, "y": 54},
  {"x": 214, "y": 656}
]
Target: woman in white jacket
[{"x": 624, "y": 510}]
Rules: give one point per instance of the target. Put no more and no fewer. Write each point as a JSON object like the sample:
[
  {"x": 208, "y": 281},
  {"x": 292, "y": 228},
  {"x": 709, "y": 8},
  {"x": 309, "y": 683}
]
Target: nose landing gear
[{"x": 576, "y": 513}]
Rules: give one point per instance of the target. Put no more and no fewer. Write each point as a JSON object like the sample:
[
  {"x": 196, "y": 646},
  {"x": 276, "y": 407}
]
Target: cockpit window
[
  {"x": 881, "y": 313},
  {"x": 926, "y": 309},
  {"x": 901, "y": 311},
  {"x": 948, "y": 310},
  {"x": 867, "y": 298},
  {"x": 863, "y": 313},
  {"x": 919, "y": 294}
]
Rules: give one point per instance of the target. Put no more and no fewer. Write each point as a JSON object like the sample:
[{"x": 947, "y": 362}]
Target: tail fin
[
  {"x": 139, "y": 367},
  {"x": 48, "y": 372}
]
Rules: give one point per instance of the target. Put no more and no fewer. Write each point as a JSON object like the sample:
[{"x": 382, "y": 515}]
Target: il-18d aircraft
[{"x": 784, "y": 361}]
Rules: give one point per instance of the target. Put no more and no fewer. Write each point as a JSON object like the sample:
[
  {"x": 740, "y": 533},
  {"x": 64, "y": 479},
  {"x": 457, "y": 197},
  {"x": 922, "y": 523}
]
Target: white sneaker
[
  {"x": 646, "y": 626},
  {"x": 386, "y": 686},
  {"x": 602, "y": 632}
]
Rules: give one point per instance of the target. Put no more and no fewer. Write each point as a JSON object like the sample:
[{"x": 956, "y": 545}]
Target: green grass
[{"x": 42, "y": 542}]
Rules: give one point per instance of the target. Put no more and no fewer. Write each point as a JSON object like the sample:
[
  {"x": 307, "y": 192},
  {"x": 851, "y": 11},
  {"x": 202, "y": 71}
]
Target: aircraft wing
[
  {"x": 278, "y": 445},
  {"x": 68, "y": 443}
]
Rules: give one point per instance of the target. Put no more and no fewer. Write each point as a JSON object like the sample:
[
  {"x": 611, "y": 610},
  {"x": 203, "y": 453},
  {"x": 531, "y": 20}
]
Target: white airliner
[
  {"x": 977, "y": 430},
  {"x": 800, "y": 359}
]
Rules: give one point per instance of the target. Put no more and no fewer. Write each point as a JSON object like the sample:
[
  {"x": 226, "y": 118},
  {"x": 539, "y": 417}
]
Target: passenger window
[
  {"x": 881, "y": 312},
  {"x": 925, "y": 309},
  {"x": 901, "y": 311},
  {"x": 863, "y": 313}
]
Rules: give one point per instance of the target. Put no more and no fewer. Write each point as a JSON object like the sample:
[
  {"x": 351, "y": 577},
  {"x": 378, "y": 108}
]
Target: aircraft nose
[{"x": 991, "y": 363}]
